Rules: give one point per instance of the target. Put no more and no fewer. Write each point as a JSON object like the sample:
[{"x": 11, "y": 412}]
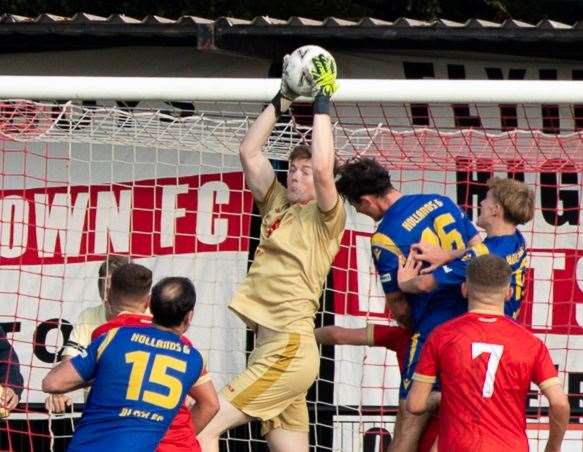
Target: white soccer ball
[{"x": 296, "y": 73}]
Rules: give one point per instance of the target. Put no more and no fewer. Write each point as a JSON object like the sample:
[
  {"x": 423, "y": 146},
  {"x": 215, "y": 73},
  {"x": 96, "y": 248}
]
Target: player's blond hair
[{"x": 516, "y": 199}]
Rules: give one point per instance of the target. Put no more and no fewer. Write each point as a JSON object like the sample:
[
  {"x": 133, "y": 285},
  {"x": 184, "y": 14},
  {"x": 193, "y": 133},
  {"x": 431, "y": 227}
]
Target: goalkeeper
[{"x": 300, "y": 235}]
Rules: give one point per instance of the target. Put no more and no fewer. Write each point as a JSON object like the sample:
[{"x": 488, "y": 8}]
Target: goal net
[{"x": 161, "y": 182}]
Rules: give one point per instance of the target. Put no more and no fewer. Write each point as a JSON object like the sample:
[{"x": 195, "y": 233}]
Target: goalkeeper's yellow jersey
[
  {"x": 297, "y": 246},
  {"x": 80, "y": 338}
]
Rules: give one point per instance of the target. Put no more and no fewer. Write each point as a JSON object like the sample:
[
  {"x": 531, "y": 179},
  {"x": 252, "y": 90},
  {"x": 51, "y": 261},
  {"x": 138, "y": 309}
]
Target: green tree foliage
[{"x": 460, "y": 10}]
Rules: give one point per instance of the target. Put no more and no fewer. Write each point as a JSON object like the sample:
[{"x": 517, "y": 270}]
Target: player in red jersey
[
  {"x": 395, "y": 338},
  {"x": 486, "y": 362},
  {"x": 181, "y": 435}
]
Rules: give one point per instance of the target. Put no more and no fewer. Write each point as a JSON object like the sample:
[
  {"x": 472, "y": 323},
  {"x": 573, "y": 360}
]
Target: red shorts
[{"x": 180, "y": 436}]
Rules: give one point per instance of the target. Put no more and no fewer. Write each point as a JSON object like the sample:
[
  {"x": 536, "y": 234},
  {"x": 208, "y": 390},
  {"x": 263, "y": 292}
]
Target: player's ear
[
  {"x": 187, "y": 320},
  {"x": 508, "y": 293},
  {"x": 465, "y": 289},
  {"x": 147, "y": 302}
]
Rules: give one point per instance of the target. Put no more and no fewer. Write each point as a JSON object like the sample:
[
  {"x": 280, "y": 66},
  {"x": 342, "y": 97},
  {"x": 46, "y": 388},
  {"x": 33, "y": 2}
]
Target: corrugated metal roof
[
  {"x": 266, "y": 21},
  {"x": 272, "y": 37}
]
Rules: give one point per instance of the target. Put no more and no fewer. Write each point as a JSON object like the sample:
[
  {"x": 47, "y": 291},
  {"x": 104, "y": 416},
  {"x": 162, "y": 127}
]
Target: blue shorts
[{"x": 413, "y": 356}]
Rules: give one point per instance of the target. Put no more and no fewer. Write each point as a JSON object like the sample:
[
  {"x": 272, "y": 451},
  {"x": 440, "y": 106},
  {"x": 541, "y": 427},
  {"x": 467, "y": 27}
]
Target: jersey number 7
[
  {"x": 495, "y": 352},
  {"x": 158, "y": 375}
]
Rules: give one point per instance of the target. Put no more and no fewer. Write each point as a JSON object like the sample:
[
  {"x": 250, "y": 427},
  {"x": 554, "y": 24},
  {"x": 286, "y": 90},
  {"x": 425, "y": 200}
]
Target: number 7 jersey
[
  {"x": 141, "y": 376},
  {"x": 486, "y": 363}
]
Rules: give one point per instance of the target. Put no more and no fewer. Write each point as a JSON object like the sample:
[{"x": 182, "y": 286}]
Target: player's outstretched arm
[
  {"x": 206, "y": 404},
  {"x": 559, "y": 411},
  {"x": 259, "y": 173},
  {"x": 323, "y": 156},
  {"x": 62, "y": 378},
  {"x": 337, "y": 335},
  {"x": 397, "y": 305},
  {"x": 418, "y": 397}
]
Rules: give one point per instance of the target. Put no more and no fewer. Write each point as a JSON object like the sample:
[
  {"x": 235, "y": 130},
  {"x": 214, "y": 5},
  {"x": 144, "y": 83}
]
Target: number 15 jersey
[
  {"x": 141, "y": 376},
  {"x": 486, "y": 363}
]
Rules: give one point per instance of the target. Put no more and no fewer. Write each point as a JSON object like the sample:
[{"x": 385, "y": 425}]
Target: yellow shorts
[{"x": 273, "y": 388}]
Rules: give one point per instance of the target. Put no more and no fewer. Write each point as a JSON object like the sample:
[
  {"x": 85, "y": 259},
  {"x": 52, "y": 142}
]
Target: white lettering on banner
[
  {"x": 543, "y": 264},
  {"x": 579, "y": 278},
  {"x": 59, "y": 219},
  {"x": 208, "y": 230},
  {"x": 13, "y": 226},
  {"x": 170, "y": 213},
  {"x": 113, "y": 222},
  {"x": 370, "y": 293}
]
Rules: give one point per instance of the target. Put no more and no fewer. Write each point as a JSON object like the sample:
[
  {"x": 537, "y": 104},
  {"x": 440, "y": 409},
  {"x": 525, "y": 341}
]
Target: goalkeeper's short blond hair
[{"x": 515, "y": 197}]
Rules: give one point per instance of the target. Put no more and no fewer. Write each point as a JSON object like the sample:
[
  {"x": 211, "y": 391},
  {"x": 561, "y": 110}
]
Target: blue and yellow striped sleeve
[
  {"x": 386, "y": 256},
  {"x": 86, "y": 363}
]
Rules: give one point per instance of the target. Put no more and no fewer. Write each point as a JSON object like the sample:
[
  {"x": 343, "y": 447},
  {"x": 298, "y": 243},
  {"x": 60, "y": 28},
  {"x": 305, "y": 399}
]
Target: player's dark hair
[
  {"x": 488, "y": 272},
  {"x": 106, "y": 268},
  {"x": 131, "y": 281},
  {"x": 362, "y": 176},
  {"x": 172, "y": 299}
]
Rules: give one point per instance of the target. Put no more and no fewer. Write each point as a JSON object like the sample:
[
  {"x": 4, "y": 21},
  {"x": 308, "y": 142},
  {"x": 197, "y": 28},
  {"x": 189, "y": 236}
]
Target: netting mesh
[{"x": 163, "y": 184}]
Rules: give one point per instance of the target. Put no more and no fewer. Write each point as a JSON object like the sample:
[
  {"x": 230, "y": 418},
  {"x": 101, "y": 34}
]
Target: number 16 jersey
[{"x": 141, "y": 376}]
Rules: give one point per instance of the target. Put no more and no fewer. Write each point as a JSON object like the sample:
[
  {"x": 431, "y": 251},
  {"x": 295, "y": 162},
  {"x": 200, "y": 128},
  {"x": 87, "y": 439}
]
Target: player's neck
[
  {"x": 500, "y": 228},
  {"x": 479, "y": 307},
  {"x": 387, "y": 201},
  {"x": 176, "y": 330},
  {"x": 126, "y": 309}
]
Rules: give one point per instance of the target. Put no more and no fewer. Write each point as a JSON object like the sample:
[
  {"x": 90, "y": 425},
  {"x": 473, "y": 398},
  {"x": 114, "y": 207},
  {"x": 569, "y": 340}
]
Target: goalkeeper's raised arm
[
  {"x": 259, "y": 173},
  {"x": 323, "y": 157}
]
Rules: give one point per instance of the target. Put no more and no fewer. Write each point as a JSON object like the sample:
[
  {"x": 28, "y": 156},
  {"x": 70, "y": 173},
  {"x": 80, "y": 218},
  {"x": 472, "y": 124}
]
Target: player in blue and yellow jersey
[
  {"x": 404, "y": 221},
  {"x": 139, "y": 377},
  {"x": 508, "y": 203}
]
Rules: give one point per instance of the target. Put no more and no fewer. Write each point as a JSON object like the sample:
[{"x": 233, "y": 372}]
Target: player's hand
[
  {"x": 9, "y": 398},
  {"x": 323, "y": 76},
  {"x": 285, "y": 96},
  {"x": 431, "y": 254},
  {"x": 408, "y": 269},
  {"x": 285, "y": 90},
  {"x": 57, "y": 403}
]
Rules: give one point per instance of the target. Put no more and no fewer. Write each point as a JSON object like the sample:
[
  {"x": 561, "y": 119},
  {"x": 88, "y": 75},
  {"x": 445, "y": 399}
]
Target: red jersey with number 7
[{"x": 486, "y": 363}]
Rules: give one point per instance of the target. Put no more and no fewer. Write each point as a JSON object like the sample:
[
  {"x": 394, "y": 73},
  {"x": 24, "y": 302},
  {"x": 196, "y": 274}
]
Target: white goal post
[{"x": 262, "y": 90}]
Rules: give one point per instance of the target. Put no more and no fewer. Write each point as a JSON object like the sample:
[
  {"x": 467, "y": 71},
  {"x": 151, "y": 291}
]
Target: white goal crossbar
[{"x": 262, "y": 90}]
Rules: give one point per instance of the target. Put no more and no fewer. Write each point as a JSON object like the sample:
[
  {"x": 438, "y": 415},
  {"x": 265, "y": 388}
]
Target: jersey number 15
[{"x": 158, "y": 375}]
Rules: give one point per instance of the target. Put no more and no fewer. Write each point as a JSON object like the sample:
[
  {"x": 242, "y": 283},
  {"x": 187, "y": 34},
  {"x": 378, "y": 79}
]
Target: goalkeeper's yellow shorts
[{"x": 273, "y": 388}]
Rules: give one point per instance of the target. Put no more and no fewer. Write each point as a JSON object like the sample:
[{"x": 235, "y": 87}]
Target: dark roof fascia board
[
  {"x": 527, "y": 35},
  {"x": 100, "y": 29}
]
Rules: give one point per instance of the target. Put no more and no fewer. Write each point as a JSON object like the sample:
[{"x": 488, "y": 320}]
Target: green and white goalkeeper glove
[{"x": 323, "y": 73}]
